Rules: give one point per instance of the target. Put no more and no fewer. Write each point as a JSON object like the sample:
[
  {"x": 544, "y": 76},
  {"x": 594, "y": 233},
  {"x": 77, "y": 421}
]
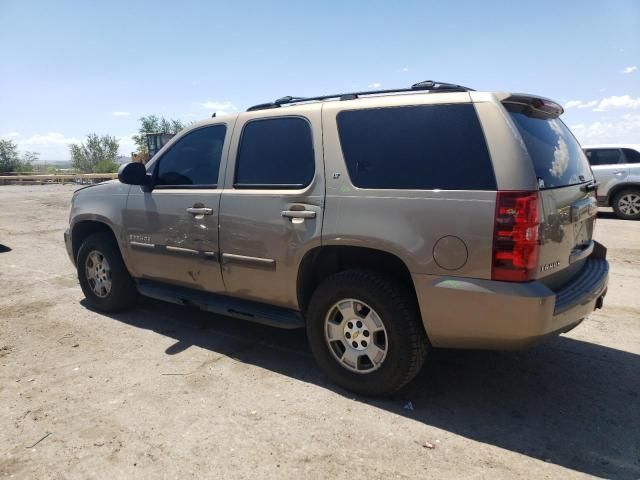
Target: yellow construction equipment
[{"x": 155, "y": 141}]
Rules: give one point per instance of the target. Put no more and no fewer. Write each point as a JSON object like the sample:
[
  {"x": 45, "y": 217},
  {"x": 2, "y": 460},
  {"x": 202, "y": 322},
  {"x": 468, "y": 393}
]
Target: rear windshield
[{"x": 557, "y": 157}]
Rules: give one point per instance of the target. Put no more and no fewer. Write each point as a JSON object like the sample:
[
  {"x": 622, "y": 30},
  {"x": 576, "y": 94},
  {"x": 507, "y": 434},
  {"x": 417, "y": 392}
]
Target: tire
[
  {"x": 122, "y": 292},
  {"x": 405, "y": 341},
  {"x": 626, "y": 204}
]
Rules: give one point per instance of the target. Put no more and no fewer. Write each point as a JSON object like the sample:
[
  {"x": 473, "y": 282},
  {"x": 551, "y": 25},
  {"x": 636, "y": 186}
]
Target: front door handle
[
  {"x": 299, "y": 214},
  {"x": 200, "y": 211}
]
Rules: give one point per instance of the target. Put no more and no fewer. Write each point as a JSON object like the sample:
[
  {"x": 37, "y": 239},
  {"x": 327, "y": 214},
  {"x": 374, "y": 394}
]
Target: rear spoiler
[{"x": 531, "y": 105}]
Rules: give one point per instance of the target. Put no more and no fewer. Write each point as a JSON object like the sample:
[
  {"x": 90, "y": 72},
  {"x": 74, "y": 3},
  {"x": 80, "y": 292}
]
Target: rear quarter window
[
  {"x": 632, "y": 156},
  {"x": 423, "y": 147}
]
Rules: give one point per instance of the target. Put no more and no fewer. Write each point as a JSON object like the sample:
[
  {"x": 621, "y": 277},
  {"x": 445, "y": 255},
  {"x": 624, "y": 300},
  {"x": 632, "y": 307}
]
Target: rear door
[
  {"x": 568, "y": 204},
  {"x": 609, "y": 167},
  {"x": 272, "y": 204}
]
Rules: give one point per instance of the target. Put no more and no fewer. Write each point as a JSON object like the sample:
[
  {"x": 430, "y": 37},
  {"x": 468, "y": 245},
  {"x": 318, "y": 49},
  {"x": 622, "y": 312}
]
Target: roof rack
[{"x": 429, "y": 85}]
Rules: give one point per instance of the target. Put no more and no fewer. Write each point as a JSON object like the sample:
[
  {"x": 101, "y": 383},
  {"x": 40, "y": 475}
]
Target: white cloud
[
  {"x": 9, "y": 135},
  {"x": 631, "y": 69},
  {"x": 580, "y": 104},
  {"x": 609, "y": 103},
  {"x": 624, "y": 130},
  {"x": 220, "y": 108},
  {"x": 405, "y": 69},
  {"x": 51, "y": 138},
  {"x": 615, "y": 102},
  {"x": 126, "y": 145},
  {"x": 120, "y": 114},
  {"x": 590, "y": 104},
  {"x": 375, "y": 85},
  {"x": 51, "y": 146}
]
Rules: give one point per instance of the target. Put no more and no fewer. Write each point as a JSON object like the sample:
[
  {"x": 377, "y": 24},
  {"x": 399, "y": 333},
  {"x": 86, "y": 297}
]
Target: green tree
[
  {"x": 28, "y": 160},
  {"x": 105, "y": 166},
  {"x": 155, "y": 124},
  {"x": 9, "y": 158},
  {"x": 95, "y": 149}
]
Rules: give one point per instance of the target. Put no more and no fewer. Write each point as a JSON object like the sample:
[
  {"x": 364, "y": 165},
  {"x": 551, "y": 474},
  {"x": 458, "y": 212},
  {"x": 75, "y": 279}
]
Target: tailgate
[
  {"x": 566, "y": 234},
  {"x": 566, "y": 189}
]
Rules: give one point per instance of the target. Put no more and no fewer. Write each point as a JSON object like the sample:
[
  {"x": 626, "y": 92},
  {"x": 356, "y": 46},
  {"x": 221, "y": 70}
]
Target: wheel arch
[
  {"x": 323, "y": 261},
  {"x": 83, "y": 228},
  {"x": 615, "y": 190}
]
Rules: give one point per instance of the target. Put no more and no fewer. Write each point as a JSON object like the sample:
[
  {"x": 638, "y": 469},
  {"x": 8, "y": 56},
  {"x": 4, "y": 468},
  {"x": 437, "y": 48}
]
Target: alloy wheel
[
  {"x": 356, "y": 336},
  {"x": 629, "y": 204},
  {"x": 98, "y": 273}
]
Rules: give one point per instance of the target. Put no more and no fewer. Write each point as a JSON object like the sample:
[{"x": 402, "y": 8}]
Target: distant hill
[
  {"x": 55, "y": 163},
  {"x": 67, "y": 163}
]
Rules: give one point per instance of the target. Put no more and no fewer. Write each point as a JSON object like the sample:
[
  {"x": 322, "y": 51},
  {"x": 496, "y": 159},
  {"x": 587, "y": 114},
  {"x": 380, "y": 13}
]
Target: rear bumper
[{"x": 474, "y": 313}]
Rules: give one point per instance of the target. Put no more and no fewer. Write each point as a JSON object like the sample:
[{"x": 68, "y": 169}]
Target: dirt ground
[{"x": 169, "y": 392}]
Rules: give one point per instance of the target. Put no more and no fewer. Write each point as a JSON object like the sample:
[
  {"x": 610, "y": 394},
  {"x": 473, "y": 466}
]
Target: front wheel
[
  {"x": 626, "y": 204},
  {"x": 103, "y": 276},
  {"x": 366, "y": 333}
]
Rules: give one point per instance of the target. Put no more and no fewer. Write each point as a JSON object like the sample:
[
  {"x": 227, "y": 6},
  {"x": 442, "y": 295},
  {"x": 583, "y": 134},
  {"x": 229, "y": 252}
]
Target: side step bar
[{"x": 247, "y": 310}]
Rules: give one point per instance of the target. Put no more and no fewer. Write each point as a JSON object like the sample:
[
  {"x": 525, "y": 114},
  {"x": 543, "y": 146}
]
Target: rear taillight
[{"x": 515, "y": 237}]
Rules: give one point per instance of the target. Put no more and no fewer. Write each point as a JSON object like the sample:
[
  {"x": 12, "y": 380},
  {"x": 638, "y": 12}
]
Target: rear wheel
[
  {"x": 103, "y": 276},
  {"x": 626, "y": 204},
  {"x": 365, "y": 332}
]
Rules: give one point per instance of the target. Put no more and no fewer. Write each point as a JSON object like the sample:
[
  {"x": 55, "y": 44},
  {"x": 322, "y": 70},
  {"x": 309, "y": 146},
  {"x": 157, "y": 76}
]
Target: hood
[{"x": 95, "y": 185}]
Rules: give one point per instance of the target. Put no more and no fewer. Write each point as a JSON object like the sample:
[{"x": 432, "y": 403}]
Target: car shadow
[
  {"x": 610, "y": 215},
  {"x": 569, "y": 402}
]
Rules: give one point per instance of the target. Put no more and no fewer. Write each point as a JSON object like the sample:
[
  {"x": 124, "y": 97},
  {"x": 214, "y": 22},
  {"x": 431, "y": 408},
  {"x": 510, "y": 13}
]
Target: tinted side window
[
  {"x": 275, "y": 153},
  {"x": 605, "y": 156},
  {"x": 632, "y": 156},
  {"x": 416, "y": 147},
  {"x": 194, "y": 160}
]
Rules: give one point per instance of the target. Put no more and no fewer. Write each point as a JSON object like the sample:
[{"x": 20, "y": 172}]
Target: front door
[
  {"x": 272, "y": 204},
  {"x": 172, "y": 231}
]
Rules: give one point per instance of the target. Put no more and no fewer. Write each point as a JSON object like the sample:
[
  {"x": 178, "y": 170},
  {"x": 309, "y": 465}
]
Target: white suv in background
[{"x": 617, "y": 171}]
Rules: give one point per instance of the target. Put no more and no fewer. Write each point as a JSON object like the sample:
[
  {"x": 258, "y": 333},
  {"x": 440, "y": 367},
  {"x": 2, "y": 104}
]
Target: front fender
[{"x": 104, "y": 203}]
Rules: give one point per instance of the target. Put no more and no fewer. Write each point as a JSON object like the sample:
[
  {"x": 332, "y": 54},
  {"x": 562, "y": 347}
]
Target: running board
[{"x": 234, "y": 307}]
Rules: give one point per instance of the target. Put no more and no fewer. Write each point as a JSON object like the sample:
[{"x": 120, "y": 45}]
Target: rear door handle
[
  {"x": 200, "y": 211},
  {"x": 299, "y": 214}
]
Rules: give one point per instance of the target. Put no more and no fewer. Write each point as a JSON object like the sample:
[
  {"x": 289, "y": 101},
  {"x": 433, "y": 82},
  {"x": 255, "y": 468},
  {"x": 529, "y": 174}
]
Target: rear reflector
[{"x": 515, "y": 237}]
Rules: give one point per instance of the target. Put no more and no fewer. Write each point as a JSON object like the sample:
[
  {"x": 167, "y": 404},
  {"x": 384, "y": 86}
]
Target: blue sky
[{"x": 69, "y": 68}]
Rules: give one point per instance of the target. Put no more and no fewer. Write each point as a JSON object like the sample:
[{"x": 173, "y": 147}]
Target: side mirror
[{"x": 133, "y": 173}]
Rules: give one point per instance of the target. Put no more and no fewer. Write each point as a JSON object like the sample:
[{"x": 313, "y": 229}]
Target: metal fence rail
[{"x": 39, "y": 179}]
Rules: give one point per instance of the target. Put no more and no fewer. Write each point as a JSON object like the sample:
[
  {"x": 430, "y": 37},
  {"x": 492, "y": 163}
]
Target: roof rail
[{"x": 429, "y": 85}]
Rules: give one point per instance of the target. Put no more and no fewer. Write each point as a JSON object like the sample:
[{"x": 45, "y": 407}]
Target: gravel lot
[{"x": 169, "y": 392}]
